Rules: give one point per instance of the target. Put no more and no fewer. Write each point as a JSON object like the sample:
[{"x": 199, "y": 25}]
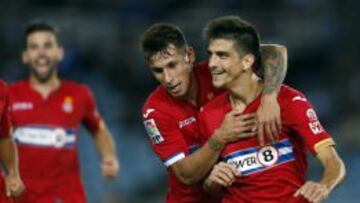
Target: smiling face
[
  {"x": 173, "y": 70},
  {"x": 42, "y": 54},
  {"x": 226, "y": 63}
]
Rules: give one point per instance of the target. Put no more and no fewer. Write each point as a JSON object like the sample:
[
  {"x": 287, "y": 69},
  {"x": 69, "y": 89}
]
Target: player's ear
[
  {"x": 190, "y": 55},
  {"x": 61, "y": 53},
  {"x": 247, "y": 61},
  {"x": 24, "y": 57}
]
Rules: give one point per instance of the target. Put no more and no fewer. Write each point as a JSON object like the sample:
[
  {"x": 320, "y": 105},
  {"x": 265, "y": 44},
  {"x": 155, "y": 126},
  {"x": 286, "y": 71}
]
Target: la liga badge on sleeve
[{"x": 153, "y": 131}]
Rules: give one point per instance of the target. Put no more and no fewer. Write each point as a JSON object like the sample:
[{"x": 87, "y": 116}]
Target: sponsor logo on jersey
[
  {"x": 22, "y": 106},
  {"x": 68, "y": 104},
  {"x": 153, "y": 132},
  {"x": 314, "y": 123},
  {"x": 148, "y": 112},
  {"x": 310, "y": 113},
  {"x": 256, "y": 159},
  {"x": 187, "y": 122},
  {"x": 44, "y": 136}
]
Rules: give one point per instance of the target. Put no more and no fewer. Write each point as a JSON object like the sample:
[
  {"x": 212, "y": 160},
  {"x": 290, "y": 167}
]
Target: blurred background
[{"x": 102, "y": 50}]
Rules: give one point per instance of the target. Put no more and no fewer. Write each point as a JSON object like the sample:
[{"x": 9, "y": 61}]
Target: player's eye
[
  {"x": 156, "y": 70},
  {"x": 172, "y": 64},
  {"x": 48, "y": 45},
  {"x": 222, "y": 55},
  {"x": 32, "y": 46}
]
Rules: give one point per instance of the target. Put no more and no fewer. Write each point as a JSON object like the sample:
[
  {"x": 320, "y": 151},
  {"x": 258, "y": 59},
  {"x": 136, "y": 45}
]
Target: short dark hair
[
  {"x": 40, "y": 26},
  {"x": 241, "y": 32},
  {"x": 159, "y": 36}
]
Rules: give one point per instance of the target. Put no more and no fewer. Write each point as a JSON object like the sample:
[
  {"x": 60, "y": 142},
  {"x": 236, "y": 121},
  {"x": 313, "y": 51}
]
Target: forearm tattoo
[{"x": 275, "y": 66}]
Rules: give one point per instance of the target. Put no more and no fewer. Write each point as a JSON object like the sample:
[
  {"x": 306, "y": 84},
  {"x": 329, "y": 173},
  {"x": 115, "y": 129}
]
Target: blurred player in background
[
  {"x": 10, "y": 182},
  {"x": 275, "y": 172},
  {"x": 170, "y": 113},
  {"x": 47, "y": 112}
]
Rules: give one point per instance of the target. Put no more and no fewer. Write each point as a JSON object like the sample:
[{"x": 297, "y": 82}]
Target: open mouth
[{"x": 42, "y": 62}]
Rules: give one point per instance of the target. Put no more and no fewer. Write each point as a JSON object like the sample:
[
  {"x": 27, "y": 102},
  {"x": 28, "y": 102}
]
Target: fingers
[
  {"x": 8, "y": 190},
  {"x": 231, "y": 168},
  {"x": 276, "y": 131},
  {"x": 319, "y": 198},
  {"x": 110, "y": 168},
  {"x": 236, "y": 126},
  {"x": 313, "y": 192},
  {"x": 301, "y": 190},
  {"x": 246, "y": 135},
  {"x": 224, "y": 174},
  {"x": 243, "y": 129},
  {"x": 269, "y": 120},
  {"x": 270, "y": 129},
  {"x": 269, "y": 132},
  {"x": 17, "y": 190},
  {"x": 250, "y": 122},
  {"x": 278, "y": 124},
  {"x": 14, "y": 188},
  {"x": 233, "y": 113},
  {"x": 239, "y": 113},
  {"x": 261, "y": 134},
  {"x": 226, "y": 177},
  {"x": 248, "y": 116}
]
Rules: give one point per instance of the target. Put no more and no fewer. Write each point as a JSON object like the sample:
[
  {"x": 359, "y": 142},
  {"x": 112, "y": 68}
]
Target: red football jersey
[
  {"x": 171, "y": 126},
  {"x": 272, "y": 173},
  {"x": 46, "y": 132},
  {"x": 5, "y": 128}
]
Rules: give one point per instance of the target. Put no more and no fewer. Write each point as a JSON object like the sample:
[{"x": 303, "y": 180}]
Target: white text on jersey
[{"x": 187, "y": 121}]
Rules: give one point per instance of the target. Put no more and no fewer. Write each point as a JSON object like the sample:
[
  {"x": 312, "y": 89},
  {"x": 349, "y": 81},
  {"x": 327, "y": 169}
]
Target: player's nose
[{"x": 167, "y": 77}]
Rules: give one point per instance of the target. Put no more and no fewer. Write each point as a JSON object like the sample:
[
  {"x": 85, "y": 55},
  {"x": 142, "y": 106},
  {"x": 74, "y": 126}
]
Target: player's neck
[
  {"x": 191, "y": 97},
  {"x": 45, "y": 87},
  {"x": 245, "y": 89}
]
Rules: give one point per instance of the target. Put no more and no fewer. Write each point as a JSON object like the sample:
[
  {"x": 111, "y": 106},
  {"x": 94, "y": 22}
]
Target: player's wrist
[
  {"x": 210, "y": 186},
  {"x": 326, "y": 185},
  {"x": 215, "y": 143},
  {"x": 11, "y": 171},
  {"x": 269, "y": 95},
  {"x": 207, "y": 185},
  {"x": 106, "y": 158}
]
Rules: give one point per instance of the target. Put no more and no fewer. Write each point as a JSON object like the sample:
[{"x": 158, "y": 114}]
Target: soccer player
[
  {"x": 46, "y": 112},
  {"x": 10, "y": 183},
  {"x": 275, "y": 172},
  {"x": 170, "y": 113}
]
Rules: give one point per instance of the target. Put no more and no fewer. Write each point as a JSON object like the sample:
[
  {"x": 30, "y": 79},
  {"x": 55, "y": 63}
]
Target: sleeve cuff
[
  {"x": 173, "y": 159},
  {"x": 323, "y": 144}
]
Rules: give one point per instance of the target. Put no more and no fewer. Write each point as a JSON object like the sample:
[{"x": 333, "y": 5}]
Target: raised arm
[{"x": 274, "y": 62}]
